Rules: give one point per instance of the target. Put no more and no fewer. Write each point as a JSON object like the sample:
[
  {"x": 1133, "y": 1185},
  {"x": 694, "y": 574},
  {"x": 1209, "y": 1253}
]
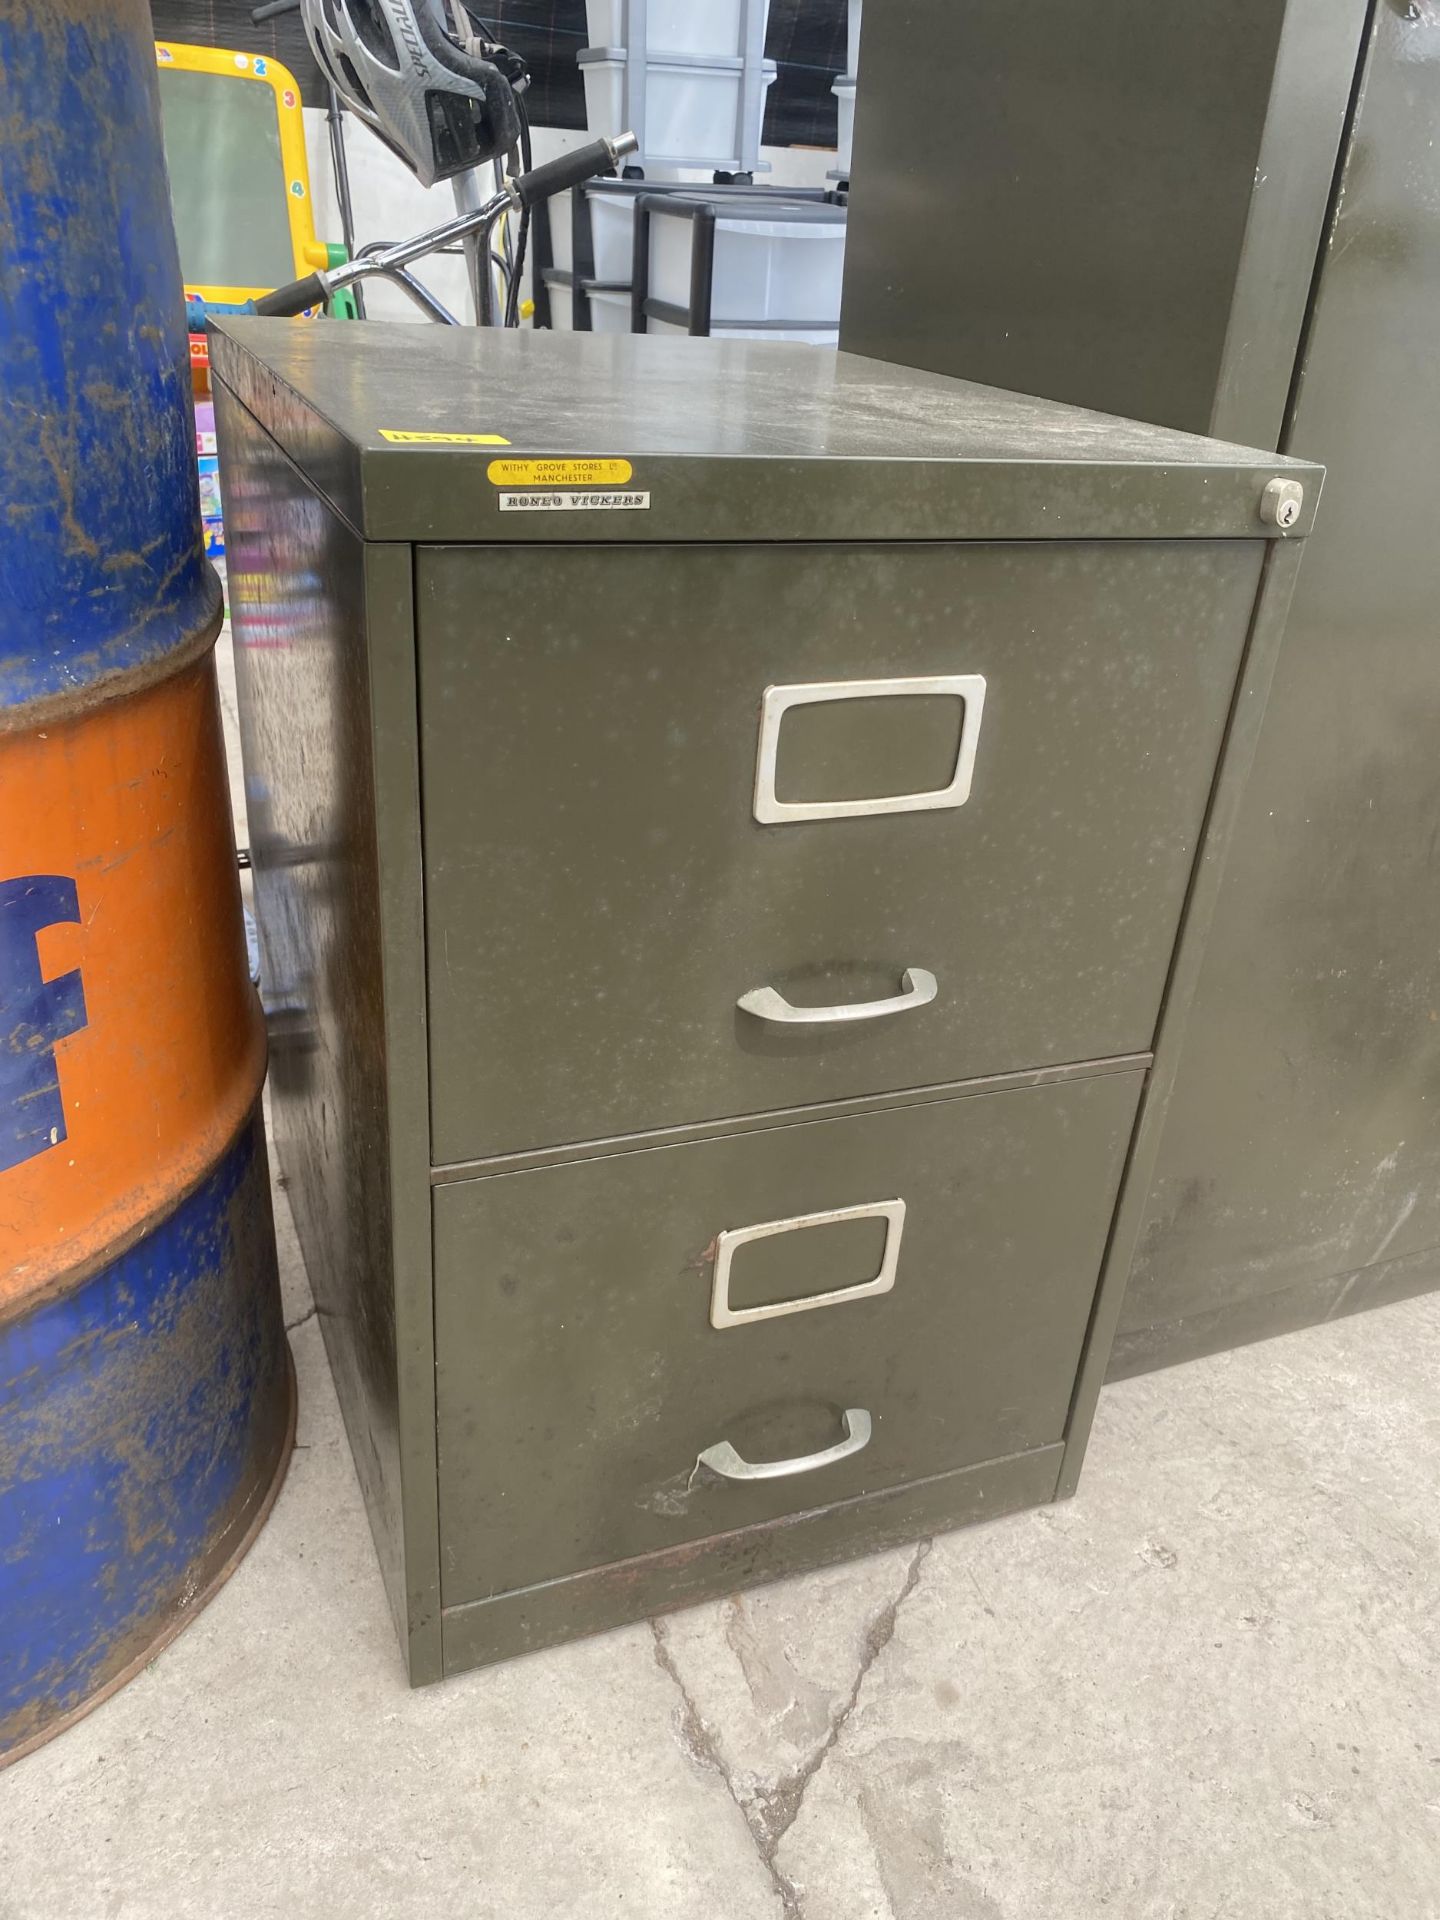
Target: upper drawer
[{"x": 600, "y": 894}]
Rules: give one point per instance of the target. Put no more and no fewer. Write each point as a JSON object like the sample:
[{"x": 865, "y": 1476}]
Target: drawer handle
[
  {"x": 770, "y": 810},
  {"x": 766, "y": 1004},
  {"x": 724, "y": 1460},
  {"x": 722, "y": 1314}
]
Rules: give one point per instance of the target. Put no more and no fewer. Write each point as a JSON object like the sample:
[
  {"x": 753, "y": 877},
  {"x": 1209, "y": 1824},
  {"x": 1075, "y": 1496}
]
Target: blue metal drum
[{"x": 146, "y": 1400}]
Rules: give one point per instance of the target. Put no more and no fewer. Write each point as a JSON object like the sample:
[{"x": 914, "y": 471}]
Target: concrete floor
[{"x": 1203, "y": 1690}]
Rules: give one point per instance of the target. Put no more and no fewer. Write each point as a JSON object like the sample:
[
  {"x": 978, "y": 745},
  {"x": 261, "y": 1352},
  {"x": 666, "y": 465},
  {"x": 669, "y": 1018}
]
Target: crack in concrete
[
  {"x": 771, "y": 1814},
  {"x": 695, "y": 1739},
  {"x": 780, "y": 1807},
  {"x": 300, "y": 1319}
]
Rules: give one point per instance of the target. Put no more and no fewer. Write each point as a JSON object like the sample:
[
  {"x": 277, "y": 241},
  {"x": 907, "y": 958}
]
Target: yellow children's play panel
[{"x": 239, "y": 182}]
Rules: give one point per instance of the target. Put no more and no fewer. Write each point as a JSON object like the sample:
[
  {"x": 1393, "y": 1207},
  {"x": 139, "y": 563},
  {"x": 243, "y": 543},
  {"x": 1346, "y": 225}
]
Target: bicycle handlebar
[
  {"x": 287, "y": 301},
  {"x": 526, "y": 190},
  {"x": 554, "y": 176}
]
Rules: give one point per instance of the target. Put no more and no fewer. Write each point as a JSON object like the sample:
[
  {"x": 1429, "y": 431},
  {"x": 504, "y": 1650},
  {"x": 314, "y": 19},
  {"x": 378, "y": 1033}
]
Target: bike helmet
[{"x": 432, "y": 100}]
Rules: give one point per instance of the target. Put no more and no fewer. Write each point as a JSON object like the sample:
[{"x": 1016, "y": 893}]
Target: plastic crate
[
  {"x": 695, "y": 111},
  {"x": 705, "y": 29},
  {"x": 610, "y": 310},
  {"x": 844, "y": 92},
  {"x": 596, "y": 237},
  {"x": 768, "y": 263},
  {"x": 852, "y": 36},
  {"x": 572, "y": 310}
]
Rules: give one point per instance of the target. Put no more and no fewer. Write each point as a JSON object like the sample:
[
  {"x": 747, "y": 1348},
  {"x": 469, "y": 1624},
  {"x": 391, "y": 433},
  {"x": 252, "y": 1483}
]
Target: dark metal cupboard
[
  {"x": 1224, "y": 217},
  {"x": 722, "y": 822}
]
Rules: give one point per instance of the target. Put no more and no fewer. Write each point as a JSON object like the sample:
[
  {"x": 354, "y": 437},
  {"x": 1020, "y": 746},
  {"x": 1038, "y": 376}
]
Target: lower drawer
[{"x": 616, "y": 1347}]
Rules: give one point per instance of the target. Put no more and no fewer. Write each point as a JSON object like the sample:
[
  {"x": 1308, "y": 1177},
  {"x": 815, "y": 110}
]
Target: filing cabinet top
[{"x": 428, "y": 433}]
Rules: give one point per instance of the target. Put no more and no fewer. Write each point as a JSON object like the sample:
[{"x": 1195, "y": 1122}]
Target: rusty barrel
[{"x": 146, "y": 1399}]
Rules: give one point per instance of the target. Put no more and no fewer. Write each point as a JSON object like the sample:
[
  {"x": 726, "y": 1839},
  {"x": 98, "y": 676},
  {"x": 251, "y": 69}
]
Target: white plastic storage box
[
  {"x": 844, "y": 92},
  {"x": 561, "y": 295},
  {"x": 606, "y": 249},
  {"x": 609, "y": 306},
  {"x": 610, "y": 207},
  {"x": 693, "y": 109},
  {"x": 612, "y": 232},
  {"x": 609, "y": 310},
  {"x": 558, "y": 212},
  {"x": 705, "y": 29},
  {"x": 769, "y": 262},
  {"x": 852, "y": 38}
]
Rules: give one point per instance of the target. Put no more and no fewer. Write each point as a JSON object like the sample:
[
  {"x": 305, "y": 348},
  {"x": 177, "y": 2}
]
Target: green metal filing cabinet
[{"x": 733, "y": 830}]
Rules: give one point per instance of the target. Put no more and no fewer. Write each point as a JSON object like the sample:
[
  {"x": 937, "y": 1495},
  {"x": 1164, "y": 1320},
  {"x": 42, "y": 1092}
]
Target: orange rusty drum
[{"x": 119, "y": 865}]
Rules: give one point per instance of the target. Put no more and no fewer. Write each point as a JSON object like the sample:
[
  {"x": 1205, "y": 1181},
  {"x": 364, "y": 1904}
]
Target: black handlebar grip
[
  {"x": 554, "y": 176},
  {"x": 259, "y": 15},
  {"x": 300, "y": 294}
]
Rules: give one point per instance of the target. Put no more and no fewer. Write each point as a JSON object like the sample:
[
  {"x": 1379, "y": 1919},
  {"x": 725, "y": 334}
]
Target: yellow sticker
[
  {"x": 559, "y": 473},
  {"x": 444, "y": 439}
]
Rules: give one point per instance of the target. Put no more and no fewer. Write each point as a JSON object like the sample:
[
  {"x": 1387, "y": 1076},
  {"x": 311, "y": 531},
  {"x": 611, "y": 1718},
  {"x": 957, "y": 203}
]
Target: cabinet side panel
[
  {"x": 395, "y": 744},
  {"x": 1272, "y": 604},
  {"x": 297, "y": 577},
  {"x": 1298, "y": 1163}
]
